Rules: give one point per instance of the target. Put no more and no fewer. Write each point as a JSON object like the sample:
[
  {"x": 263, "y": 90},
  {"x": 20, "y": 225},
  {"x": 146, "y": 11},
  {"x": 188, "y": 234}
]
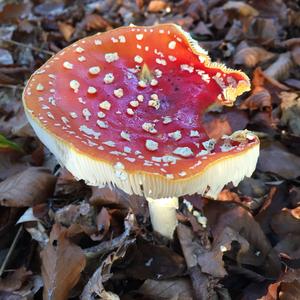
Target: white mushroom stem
[{"x": 163, "y": 215}]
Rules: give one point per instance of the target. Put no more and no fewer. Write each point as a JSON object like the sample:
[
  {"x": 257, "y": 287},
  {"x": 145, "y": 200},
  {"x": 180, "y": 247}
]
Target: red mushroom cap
[{"x": 125, "y": 107}]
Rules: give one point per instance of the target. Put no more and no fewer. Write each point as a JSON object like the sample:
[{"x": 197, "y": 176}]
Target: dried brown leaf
[
  {"x": 96, "y": 22},
  {"x": 242, "y": 8},
  {"x": 62, "y": 263},
  {"x": 156, "y": 6},
  {"x": 66, "y": 30},
  {"x": 103, "y": 274},
  {"x": 15, "y": 280},
  {"x": 252, "y": 56},
  {"x": 280, "y": 69},
  {"x": 287, "y": 221},
  {"x": 259, "y": 99},
  {"x": 179, "y": 289},
  {"x": 277, "y": 159},
  {"x": 286, "y": 288},
  {"x": 290, "y": 107},
  {"x": 27, "y": 188},
  {"x": 147, "y": 260}
]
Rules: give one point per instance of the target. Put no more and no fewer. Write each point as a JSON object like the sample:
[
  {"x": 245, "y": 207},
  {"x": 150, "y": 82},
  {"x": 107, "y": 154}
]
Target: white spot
[
  {"x": 49, "y": 114},
  {"x": 105, "y": 105},
  {"x": 74, "y": 85},
  {"x": 182, "y": 173},
  {"x": 167, "y": 120},
  {"x": 39, "y": 87},
  {"x": 91, "y": 90},
  {"x": 130, "y": 111},
  {"x": 108, "y": 78},
  {"x": 172, "y": 45},
  {"x": 183, "y": 151},
  {"x": 140, "y": 98},
  {"x": 169, "y": 176},
  {"x": 125, "y": 135},
  {"x": 79, "y": 50},
  {"x": 153, "y": 82},
  {"x": 149, "y": 127},
  {"x": 194, "y": 133},
  {"x": 172, "y": 58},
  {"x": 158, "y": 73},
  {"x": 147, "y": 48},
  {"x": 98, "y": 42},
  {"x": 139, "y": 46},
  {"x": 73, "y": 115},
  {"x": 138, "y": 59},
  {"x": 86, "y": 113},
  {"x": 201, "y": 58},
  {"x": 161, "y": 61},
  {"x": 68, "y": 65},
  {"x": 176, "y": 135},
  {"x": 114, "y": 40},
  {"x": 101, "y": 114},
  {"x": 89, "y": 131},
  {"x": 127, "y": 149},
  {"x": 102, "y": 124},
  {"x": 151, "y": 145},
  {"x": 122, "y": 39},
  {"x": 139, "y": 36},
  {"x": 154, "y": 102},
  {"x": 142, "y": 83},
  {"x": 81, "y": 58},
  {"x": 134, "y": 103},
  {"x": 110, "y": 57},
  {"x": 185, "y": 67},
  {"x": 119, "y": 93},
  {"x": 209, "y": 145},
  {"x": 109, "y": 144},
  {"x": 94, "y": 70}
]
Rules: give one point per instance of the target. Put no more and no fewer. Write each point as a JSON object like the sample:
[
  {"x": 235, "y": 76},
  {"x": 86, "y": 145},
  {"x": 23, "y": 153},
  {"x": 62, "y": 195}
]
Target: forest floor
[{"x": 67, "y": 240}]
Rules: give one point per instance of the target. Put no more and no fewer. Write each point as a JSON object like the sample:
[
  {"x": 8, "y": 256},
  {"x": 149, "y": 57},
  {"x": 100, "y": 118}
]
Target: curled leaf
[
  {"x": 281, "y": 67},
  {"x": 252, "y": 56}
]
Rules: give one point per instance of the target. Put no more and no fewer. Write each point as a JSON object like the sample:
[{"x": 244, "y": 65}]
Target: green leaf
[{"x": 6, "y": 144}]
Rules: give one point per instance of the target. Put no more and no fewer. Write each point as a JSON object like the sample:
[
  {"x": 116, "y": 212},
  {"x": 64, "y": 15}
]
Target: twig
[
  {"x": 11, "y": 249},
  {"x": 108, "y": 246},
  {"x": 28, "y": 46}
]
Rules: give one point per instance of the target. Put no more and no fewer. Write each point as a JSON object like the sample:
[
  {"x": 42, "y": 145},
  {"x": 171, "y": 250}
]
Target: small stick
[
  {"x": 11, "y": 249},
  {"x": 28, "y": 46}
]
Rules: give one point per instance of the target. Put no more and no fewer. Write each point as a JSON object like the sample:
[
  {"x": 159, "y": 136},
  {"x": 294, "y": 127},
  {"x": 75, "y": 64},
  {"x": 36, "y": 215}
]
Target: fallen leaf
[
  {"x": 66, "y": 30},
  {"x": 260, "y": 99},
  {"x": 156, "y": 6},
  {"x": 242, "y": 8},
  {"x": 259, "y": 254},
  {"x": 15, "y": 280},
  {"x": 96, "y": 22},
  {"x": 149, "y": 261},
  {"x": 287, "y": 221},
  {"x": 275, "y": 158},
  {"x": 62, "y": 263},
  {"x": 103, "y": 274},
  {"x": 179, "y": 289},
  {"x": 280, "y": 69},
  {"x": 103, "y": 224},
  {"x": 290, "y": 107},
  {"x": 286, "y": 288},
  {"x": 27, "y": 188},
  {"x": 5, "y": 57},
  {"x": 252, "y": 56}
]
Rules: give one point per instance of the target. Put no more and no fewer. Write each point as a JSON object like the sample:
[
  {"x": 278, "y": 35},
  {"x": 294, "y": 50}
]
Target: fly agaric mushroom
[{"x": 124, "y": 108}]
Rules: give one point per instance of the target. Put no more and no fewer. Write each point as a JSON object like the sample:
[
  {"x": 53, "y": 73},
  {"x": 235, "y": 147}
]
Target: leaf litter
[{"x": 91, "y": 243}]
